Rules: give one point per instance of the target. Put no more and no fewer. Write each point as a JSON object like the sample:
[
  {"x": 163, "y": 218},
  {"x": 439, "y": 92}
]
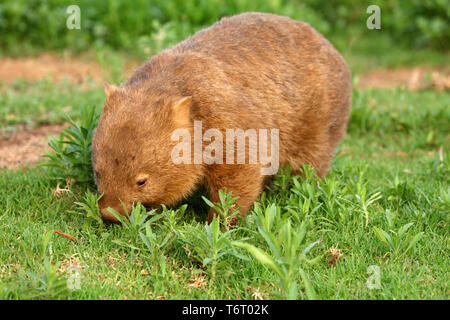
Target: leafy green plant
[
  {"x": 286, "y": 255},
  {"x": 89, "y": 208},
  {"x": 169, "y": 224},
  {"x": 155, "y": 238},
  {"x": 71, "y": 151},
  {"x": 398, "y": 242},
  {"x": 209, "y": 245},
  {"x": 226, "y": 208},
  {"x": 400, "y": 191},
  {"x": 144, "y": 236},
  {"x": 150, "y": 240},
  {"x": 365, "y": 198},
  {"x": 444, "y": 199},
  {"x": 303, "y": 197},
  {"x": 154, "y": 245},
  {"x": 134, "y": 223},
  {"x": 282, "y": 181}
]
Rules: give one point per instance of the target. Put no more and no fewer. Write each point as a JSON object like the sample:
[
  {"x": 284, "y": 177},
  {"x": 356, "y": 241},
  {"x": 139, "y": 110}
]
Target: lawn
[
  {"x": 376, "y": 227},
  {"x": 391, "y": 170}
]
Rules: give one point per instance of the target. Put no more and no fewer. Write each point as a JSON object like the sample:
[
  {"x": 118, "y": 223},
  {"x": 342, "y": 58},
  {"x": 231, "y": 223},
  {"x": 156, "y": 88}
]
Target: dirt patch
[
  {"x": 57, "y": 67},
  {"x": 48, "y": 64},
  {"x": 26, "y": 146},
  {"x": 417, "y": 78}
]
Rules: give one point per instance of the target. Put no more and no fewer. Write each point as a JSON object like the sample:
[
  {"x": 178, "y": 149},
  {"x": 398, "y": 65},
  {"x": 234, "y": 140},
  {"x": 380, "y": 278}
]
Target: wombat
[{"x": 246, "y": 73}]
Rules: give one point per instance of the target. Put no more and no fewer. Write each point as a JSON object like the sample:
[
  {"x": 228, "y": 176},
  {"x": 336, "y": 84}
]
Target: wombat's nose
[
  {"x": 106, "y": 202},
  {"x": 108, "y": 215}
]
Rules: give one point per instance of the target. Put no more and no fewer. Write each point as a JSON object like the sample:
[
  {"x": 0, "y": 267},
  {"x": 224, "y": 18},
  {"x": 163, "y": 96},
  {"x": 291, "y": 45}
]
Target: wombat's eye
[{"x": 141, "y": 182}]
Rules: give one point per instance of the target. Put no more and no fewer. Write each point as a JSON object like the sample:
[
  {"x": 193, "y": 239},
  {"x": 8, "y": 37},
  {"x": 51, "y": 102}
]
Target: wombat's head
[{"x": 132, "y": 147}]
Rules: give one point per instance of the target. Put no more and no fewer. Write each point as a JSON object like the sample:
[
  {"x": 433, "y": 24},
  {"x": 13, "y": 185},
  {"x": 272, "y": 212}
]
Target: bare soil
[
  {"x": 416, "y": 78},
  {"x": 48, "y": 64},
  {"x": 25, "y": 146}
]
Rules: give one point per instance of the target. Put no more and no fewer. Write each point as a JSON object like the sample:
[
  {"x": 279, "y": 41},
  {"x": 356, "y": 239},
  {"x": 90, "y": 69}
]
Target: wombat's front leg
[{"x": 244, "y": 181}]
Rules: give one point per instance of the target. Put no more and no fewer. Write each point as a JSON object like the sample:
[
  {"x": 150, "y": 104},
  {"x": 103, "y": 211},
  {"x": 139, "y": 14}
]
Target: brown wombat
[{"x": 248, "y": 72}]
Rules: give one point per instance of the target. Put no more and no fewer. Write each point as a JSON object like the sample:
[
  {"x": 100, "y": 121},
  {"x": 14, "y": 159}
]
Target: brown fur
[{"x": 252, "y": 70}]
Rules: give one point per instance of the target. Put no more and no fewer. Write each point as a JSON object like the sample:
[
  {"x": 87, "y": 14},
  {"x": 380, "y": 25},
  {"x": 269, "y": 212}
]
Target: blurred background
[{"x": 142, "y": 28}]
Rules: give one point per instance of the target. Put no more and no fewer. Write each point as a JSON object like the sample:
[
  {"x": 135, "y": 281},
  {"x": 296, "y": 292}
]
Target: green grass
[
  {"x": 384, "y": 203},
  {"x": 391, "y": 170},
  {"x": 42, "y": 102},
  {"x": 366, "y": 50}
]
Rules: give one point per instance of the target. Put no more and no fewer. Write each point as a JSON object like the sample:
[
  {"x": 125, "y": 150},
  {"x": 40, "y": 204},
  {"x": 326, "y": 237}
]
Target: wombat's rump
[{"x": 250, "y": 71}]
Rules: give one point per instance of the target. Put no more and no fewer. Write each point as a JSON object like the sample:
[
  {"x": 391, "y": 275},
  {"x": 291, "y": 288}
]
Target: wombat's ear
[
  {"x": 109, "y": 90},
  {"x": 181, "y": 110}
]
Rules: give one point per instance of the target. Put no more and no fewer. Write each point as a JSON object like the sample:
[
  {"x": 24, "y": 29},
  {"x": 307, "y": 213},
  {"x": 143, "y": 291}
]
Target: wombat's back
[{"x": 257, "y": 70}]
